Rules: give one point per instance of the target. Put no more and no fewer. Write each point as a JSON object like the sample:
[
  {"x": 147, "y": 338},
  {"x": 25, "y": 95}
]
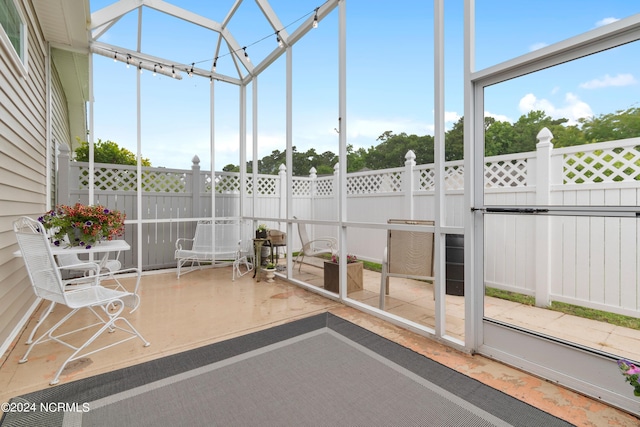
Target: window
[{"x": 14, "y": 34}]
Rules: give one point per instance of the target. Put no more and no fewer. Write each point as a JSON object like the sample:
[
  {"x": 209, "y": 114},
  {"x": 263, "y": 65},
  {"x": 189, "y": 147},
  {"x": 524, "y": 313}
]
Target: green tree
[
  {"x": 454, "y": 141},
  {"x": 107, "y": 152},
  {"x": 501, "y": 137},
  {"x": 610, "y": 127},
  {"x": 356, "y": 159},
  {"x": 391, "y": 152}
]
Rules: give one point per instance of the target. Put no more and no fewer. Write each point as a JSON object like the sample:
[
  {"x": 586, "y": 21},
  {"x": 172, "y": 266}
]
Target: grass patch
[
  {"x": 510, "y": 296},
  {"x": 368, "y": 265},
  {"x": 574, "y": 310},
  {"x": 601, "y": 316}
]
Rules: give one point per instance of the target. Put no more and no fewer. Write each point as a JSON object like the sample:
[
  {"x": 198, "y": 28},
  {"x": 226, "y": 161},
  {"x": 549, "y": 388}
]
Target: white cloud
[
  {"x": 498, "y": 117},
  {"x": 372, "y": 129},
  {"x": 606, "y": 21},
  {"x": 573, "y": 107},
  {"x": 607, "y": 81},
  {"x": 451, "y": 117},
  {"x": 537, "y": 46}
]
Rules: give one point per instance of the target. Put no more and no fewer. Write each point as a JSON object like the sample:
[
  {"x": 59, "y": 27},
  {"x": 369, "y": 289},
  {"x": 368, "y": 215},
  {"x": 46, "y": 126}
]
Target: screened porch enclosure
[{"x": 535, "y": 256}]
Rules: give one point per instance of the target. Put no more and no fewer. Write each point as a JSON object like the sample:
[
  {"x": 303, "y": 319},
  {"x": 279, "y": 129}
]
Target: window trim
[{"x": 19, "y": 60}]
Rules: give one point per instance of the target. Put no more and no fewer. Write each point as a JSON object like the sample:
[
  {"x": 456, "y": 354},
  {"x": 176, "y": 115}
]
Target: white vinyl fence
[{"x": 589, "y": 261}]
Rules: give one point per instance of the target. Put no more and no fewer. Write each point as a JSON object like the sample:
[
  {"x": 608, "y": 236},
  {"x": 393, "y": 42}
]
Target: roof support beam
[
  {"x": 105, "y": 18},
  {"x": 273, "y": 19},
  {"x": 148, "y": 62},
  {"x": 290, "y": 40},
  {"x": 207, "y": 23},
  {"x": 112, "y": 13}
]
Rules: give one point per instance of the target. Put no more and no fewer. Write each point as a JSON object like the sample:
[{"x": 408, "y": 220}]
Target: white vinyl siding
[
  {"x": 22, "y": 171},
  {"x": 60, "y": 127}
]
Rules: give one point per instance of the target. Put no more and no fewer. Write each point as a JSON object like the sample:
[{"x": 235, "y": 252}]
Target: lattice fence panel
[
  {"x": 506, "y": 173},
  {"x": 426, "y": 179},
  {"x": 267, "y": 185},
  {"x": 226, "y": 184},
  {"x": 324, "y": 187},
  {"x": 610, "y": 165},
  {"x": 163, "y": 182},
  {"x": 206, "y": 179},
  {"x": 454, "y": 177},
  {"x": 301, "y": 187},
  {"x": 114, "y": 179},
  {"x": 249, "y": 185},
  {"x": 373, "y": 183}
]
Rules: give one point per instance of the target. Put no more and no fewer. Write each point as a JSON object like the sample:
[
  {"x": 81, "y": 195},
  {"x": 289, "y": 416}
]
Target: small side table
[{"x": 257, "y": 265}]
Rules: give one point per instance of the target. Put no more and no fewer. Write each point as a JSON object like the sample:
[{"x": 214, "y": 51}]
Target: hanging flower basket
[{"x": 82, "y": 225}]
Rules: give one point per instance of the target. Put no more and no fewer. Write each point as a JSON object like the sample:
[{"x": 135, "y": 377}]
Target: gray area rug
[{"x": 319, "y": 371}]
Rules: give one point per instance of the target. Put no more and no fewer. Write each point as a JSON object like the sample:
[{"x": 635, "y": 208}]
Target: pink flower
[{"x": 633, "y": 369}]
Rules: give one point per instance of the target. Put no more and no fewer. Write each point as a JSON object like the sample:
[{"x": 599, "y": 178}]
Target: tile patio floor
[{"x": 205, "y": 306}]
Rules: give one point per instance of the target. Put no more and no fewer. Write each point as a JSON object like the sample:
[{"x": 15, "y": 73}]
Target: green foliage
[
  {"x": 600, "y": 316},
  {"x": 107, "y": 152},
  {"x": 501, "y": 137},
  {"x": 82, "y": 225},
  {"x": 391, "y": 151},
  {"x": 510, "y": 296},
  {"x": 630, "y": 373},
  {"x": 607, "y": 127}
]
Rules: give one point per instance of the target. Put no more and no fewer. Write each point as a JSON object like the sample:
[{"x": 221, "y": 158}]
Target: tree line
[{"x": 501, "y": 137}]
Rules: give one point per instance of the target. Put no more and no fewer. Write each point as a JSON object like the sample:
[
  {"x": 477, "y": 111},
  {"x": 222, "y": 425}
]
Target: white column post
[
  {"x": 195, "y": 188},
  {"x": 543, "y": 236},
  {"x": 64, "y": 173},
  {"x": 408, "y": 183},
  {"x": 312, "y": 190},
  {"x": 282, "y": 181}
]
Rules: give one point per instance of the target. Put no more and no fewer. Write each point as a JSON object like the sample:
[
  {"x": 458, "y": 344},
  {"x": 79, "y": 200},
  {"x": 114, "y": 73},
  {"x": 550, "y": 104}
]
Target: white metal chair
[
  {"x": 315, "y": 247},
  {"x": 201, "y": 247},
  {"x": 243, "y": 262},
  {"x": 204, "y": 249},
  {"x": 408, "y": 254},
  {"x": 84, "y": 292},
  {"x": 107, "y": 271},
  {"x": 72, "y": 262}
]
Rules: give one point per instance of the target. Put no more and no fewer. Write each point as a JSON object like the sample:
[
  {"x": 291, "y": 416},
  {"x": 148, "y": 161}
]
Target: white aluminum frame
[
  {"x": 577, "y": 367},
  {"x": 562, "y": 362}
]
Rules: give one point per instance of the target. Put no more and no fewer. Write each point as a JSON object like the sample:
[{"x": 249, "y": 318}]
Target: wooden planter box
[{"x": 332, "y": 276}]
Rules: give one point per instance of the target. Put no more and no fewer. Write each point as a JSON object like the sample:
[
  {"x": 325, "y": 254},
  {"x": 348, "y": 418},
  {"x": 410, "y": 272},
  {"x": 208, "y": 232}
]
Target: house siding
[
  {"x": 60, "y": 127},
  {"x": 22, "y": 170}
]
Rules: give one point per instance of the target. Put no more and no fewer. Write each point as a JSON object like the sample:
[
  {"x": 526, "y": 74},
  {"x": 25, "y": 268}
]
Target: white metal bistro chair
[
  {"x": 196, "y": 250},
  {"x": 243, "y": 262},
  {"x": 106, "y": 273},
  {"x": 315, "y": 247},
  {"x": 72, "y": 262},
  {"x": 84, "y": 292}
]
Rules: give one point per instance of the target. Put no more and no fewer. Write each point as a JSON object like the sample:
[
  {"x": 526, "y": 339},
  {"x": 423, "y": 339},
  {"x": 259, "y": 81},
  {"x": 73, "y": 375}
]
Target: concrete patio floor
[{"x": 205, "y": 306}]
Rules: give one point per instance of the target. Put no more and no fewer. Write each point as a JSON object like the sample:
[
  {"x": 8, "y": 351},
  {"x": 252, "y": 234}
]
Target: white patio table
[{"x": 103, "y": 247}]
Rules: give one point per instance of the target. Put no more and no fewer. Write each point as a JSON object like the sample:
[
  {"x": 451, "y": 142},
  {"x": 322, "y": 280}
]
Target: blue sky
[{"x": 389, "y": 74}]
